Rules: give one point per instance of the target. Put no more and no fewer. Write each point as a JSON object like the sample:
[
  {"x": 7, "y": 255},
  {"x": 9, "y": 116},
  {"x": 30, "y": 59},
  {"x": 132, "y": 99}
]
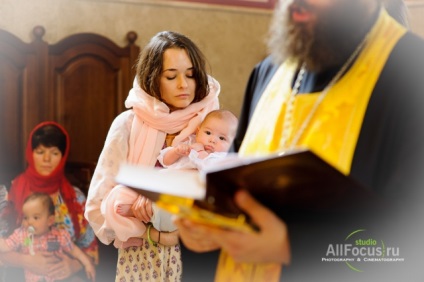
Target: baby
[
  {"x": 38, "y": 234},
  {"x": 211, "y": 141}
]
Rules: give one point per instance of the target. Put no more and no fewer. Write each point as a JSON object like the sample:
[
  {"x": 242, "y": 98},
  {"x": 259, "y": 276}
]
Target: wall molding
[{"x": 191, "y": 5}]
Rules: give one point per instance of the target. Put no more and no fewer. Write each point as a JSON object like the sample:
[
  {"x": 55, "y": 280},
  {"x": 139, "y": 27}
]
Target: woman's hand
[
  {"x": 58, "y": 266},
  {"x": 142, "y": 209},
  {"x": 65, "y": 268},
  {"x": 195, "y": 236},
  {"x": 270, "y": 244},
  {"x": 166, "y": 238},
  {"x": 38, "y": 263},
  {"x": 90, "y": 271}
]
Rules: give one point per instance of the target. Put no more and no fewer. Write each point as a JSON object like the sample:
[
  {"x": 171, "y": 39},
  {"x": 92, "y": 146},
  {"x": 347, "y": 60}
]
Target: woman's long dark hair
[{"x": 150, "y": 63}]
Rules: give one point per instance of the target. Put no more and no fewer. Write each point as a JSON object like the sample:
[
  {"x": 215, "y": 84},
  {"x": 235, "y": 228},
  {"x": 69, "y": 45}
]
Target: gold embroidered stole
[
  {"x": 334, "y": 129},
  {"x": 332, "y": 133}
]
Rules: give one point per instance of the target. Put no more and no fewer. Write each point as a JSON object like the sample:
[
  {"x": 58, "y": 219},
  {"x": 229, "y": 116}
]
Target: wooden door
[
  {"x": 90, "y": 79},
  {"x": 22, "y": 105}
]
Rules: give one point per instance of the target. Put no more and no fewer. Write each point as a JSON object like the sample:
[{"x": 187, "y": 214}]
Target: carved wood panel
[
  {"x": 19, "y": 77},
  {"x": 91, "y": 77}
]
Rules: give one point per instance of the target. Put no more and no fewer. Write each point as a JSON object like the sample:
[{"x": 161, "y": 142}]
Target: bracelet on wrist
[{"x": 149, "y": 239}]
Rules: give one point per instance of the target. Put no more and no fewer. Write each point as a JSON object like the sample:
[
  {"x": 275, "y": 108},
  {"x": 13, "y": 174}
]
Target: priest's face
[{"x": 321, "y": 33}]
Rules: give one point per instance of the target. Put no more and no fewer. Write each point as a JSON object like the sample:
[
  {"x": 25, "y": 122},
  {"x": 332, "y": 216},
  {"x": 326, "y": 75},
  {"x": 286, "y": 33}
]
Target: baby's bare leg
[{"x": 124, "y": 210}]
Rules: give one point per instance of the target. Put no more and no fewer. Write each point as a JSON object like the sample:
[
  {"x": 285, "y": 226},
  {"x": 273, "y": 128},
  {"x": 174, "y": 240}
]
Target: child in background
[{"x": 38, "y": 234}]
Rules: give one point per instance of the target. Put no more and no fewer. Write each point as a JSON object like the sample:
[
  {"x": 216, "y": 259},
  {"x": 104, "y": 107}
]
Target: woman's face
[
  {"x": 46, "y": 159},
  {"x": 177, "y": 84}
]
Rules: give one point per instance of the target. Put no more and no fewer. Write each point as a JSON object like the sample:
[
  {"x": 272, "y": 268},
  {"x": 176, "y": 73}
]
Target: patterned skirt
[{"x": 149, "y": 263}]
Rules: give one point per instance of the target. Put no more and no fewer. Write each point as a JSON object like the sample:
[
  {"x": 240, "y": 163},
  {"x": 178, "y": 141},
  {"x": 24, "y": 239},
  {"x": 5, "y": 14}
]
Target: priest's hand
[{"x": 269, "y": 244}]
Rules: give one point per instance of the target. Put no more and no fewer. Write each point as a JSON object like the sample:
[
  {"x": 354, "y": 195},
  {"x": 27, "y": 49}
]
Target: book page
[{"x": 182, "y": 183}]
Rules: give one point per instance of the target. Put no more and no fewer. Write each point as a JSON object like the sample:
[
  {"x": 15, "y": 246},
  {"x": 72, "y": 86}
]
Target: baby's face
[
  {"x": 216, "y": 135},
  {"x": 35, "y": 214}
]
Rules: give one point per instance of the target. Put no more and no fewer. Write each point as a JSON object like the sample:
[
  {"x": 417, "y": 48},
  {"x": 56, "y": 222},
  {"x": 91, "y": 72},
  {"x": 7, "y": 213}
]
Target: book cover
[{"x": 290, "y": 183}]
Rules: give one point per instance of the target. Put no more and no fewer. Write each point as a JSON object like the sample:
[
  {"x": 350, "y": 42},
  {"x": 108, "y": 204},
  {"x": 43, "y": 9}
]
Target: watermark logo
[{"x": 360, "y": 249}]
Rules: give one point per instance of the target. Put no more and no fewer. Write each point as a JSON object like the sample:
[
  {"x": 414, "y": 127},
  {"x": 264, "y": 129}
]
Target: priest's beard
[{"x": 339, "y": 29}]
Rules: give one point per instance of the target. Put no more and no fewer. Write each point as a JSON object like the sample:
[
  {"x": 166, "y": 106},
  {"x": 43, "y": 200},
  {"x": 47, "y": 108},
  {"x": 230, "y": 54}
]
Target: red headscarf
[{"x": 30, "y": 181}]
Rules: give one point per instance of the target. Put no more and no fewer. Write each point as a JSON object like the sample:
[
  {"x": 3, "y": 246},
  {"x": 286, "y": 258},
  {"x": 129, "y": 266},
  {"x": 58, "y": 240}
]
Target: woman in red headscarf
[{"x": 46, "y": 153}]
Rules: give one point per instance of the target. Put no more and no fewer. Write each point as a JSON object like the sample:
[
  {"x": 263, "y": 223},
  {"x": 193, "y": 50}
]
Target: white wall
[{"x": 232, "y": 39}]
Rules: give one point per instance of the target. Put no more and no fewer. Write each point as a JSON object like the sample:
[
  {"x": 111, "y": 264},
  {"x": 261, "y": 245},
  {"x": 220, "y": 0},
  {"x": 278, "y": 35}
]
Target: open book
[{"x": 289, "y": 183}]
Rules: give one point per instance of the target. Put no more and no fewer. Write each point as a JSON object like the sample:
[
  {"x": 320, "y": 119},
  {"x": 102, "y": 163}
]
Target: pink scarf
[{"x": 153, "y": 120}]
